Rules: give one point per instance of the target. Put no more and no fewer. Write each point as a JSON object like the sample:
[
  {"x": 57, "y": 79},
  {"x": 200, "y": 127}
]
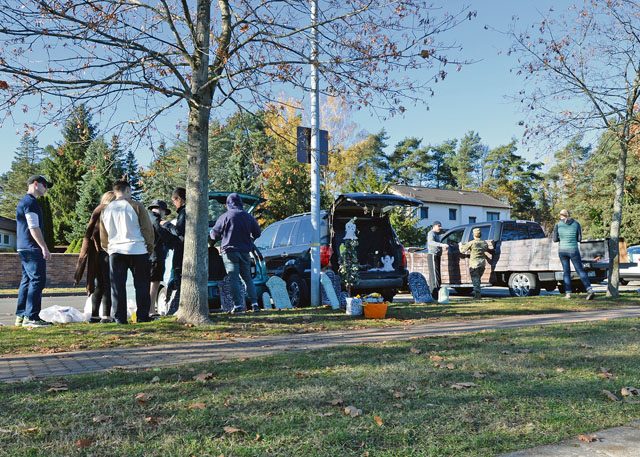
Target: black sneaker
[
  {"x": 591, "y": 295},
  {"x": 94, "y": 320},
  {"x": 35, "y": 323},
  {"x": 106, "y": 320},
  {"x": 255, "y": 307}
]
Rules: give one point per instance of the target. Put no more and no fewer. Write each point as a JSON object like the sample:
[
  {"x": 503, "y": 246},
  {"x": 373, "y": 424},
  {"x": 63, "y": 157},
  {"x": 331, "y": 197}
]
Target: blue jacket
[{"x": 236, "y": 228}]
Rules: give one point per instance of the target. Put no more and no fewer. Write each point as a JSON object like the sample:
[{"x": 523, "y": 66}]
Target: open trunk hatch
[{"x": 365, "y": 204}]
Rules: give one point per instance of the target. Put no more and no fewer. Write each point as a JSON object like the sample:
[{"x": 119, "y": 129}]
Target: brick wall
[{"x": 60, "y": 270}]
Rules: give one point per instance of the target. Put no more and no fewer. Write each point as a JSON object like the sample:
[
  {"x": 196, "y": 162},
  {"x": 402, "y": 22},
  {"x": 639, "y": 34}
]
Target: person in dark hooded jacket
[
  {"x": 173, "y": 237},
  {"x": 237, "y": 229},
  {"x": 568, "y": 233}
]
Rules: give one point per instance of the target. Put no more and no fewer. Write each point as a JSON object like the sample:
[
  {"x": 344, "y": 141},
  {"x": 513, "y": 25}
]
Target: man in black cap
[
  {"x": 33, "y": 252},
  {"x": 158, "y": 210}
]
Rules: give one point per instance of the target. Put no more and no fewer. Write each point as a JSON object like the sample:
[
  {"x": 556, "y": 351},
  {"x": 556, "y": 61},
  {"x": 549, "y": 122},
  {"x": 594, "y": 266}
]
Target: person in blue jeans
[
  {"x": 33, "y": 252},
  {"x": 568, "y": 233},
  {"x": 237, "y": 229}
]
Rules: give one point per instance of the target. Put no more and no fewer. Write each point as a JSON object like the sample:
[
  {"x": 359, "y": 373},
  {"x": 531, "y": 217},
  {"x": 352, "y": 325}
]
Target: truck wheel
[
  {"x": 298, "y": 290},
  {"x": 523, "y": 285}
]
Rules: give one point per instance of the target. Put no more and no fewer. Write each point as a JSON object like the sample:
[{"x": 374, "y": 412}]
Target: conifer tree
[
  {"x": 132, "y": 174},
  {"x": 26, "y": 163},
  {"x": 166, "y": 172},
  {"x": 66, "y": 166}
]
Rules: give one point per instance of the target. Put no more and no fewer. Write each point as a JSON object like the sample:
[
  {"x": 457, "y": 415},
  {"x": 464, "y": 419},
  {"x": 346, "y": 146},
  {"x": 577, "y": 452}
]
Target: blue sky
[{"x": 475, "y": 98}]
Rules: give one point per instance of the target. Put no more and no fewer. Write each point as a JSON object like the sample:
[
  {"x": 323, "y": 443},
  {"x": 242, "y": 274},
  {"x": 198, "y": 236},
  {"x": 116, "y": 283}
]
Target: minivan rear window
[{"x": 284, "y": 232}]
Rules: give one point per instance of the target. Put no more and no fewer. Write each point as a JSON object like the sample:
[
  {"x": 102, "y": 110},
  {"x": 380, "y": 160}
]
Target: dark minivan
[{"x": 285, "y": 245}]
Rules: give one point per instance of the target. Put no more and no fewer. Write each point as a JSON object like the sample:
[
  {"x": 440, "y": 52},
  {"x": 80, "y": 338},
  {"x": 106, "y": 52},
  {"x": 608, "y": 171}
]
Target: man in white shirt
[{"x": 126, "y": 233}]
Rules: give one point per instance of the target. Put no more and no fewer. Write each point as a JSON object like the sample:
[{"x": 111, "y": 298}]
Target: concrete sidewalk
[
  {"x": 613, "y": 442},
  {"x": 18, "y": 368}
]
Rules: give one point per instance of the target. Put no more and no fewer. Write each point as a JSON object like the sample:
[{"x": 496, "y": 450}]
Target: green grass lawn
[
  {"x": 73, "y": 337},
  {"x": 530, "y": 387},
  {"x": 49, "y": 291}
]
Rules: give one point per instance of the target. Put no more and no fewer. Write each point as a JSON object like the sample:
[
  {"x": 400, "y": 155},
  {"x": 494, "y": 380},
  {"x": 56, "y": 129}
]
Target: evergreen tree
[
  {"x": 118, "y": 157},
  {"x": 47, "y": 221},
  {"x": 132, "y": 175},
  {"x": 102, "y": 171},
  {"x": 66, "y": 166},
  {"x": 26, "y": 162},
  {"x": 166, "y": 172},
  {"x": 441, "y": 176},
  {"x": 466, "y": 160},
  {"x": 408, "y": 164}
]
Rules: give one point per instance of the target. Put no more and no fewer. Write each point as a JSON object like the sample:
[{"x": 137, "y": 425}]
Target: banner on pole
[{"x": 303, "y": 146}]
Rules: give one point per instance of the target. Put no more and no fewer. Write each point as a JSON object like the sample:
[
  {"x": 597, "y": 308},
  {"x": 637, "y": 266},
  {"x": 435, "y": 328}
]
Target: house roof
[
  {"x": 7, "y": 224},
  {"x": 456, "y": 197}
]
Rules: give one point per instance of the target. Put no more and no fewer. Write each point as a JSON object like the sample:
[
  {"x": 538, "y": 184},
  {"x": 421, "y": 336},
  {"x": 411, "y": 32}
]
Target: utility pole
[{"x": 315, "y": 162}]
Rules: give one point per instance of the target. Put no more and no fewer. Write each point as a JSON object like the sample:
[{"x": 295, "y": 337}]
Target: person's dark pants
[
  {"x": 102, "y": 292},
  {"x": 174, "y": 298},
  {"x": 139, "y": 265},
  {"x": 573, "y": 257},
  {"x": 34, "y": 277},
  {"x": 238, "y": 264},
  {"x": 436, "y": 266}
]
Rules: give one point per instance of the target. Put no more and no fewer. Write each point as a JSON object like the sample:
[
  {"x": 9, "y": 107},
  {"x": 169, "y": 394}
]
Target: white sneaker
[{"x": 567, "y": 295}]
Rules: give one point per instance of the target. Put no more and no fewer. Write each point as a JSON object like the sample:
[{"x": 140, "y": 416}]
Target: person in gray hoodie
[
  {"x": 237, "y": 229},
  {"x": 568, "y": 233}
]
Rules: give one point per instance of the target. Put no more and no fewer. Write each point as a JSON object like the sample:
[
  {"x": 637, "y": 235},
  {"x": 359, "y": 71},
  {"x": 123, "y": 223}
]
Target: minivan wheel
[{"x": 298, "y": 290}]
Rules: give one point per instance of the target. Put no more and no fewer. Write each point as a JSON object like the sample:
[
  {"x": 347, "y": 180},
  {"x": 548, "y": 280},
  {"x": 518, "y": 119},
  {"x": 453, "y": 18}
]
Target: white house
[
  {"x": 7, "y": 234},
  {"x": 453, "y": 207}
]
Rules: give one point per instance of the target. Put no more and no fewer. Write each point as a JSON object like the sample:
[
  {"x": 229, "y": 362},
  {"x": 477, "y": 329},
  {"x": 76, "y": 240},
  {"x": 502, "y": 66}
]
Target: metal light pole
[{"x": 315, "y": 159}]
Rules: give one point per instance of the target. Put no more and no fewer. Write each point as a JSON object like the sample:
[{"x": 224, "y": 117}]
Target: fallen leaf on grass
[
  {"x": 605, "y": 373},
  {"x": 30, "y": 430},
  {"x": 302, "y": 375},
  {"x": 397, "y": 394},
  {"x": 58, "y": 387},
  {"x": 325, "y": 414},
  {"x": 415, "y": 351},
  {"x": 588, "y": 438},
  {"x": 378, "y": 420},
  {"x": 258, "y": 437},
  {"x": 435, "y": 358},
  {"x": 629, "y": 392},
  {"x": 151, "y": 420},
  {"x": 352, "y": 411},
  {"x": 84, "y": 443},
  {"x": 586, "y": 346},
  {"x": 5, "y": 430},
  {"x": 463, "y": 385},
  {"x": 336, "y": 402},
  {"x": 232, "y": 430},
  {"x": 610, "y": 395},
  {"x": 203, "y": 377},
  {"x": 523, "y": 351},
  {"x": 198, "y": 405},
  {"x": 101, "y": 419},
  {"x": 560, "y": 370},
  {"x": 142, "y": 398}
]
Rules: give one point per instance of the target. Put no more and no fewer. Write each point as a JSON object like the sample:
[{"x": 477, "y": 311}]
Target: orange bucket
[{"x": 375, "y": 310}]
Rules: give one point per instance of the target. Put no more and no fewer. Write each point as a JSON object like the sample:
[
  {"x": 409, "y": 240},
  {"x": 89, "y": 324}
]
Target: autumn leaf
[
  {"x": 203, "y": 377},
  {"x": 58, "y": 387},
  {"x": 151, "y": 420},
  {"x": 605, "y": 373},
  {"x": 198, "y": 405},
  {"x": 588, "y": 438},
  {"x": 378, "y": 420},
  {"x": 30, "y": 430},
  {"x": 336, "y": 402},
  {"x": 328, "y": 414},
  {"x": 450, "y": 366},
  {"x": 84, "y": 443},
  {"x": 435, "y": 358},
  {"x": 629, "y": 392},
  {"x": 4, "y": 85},
  {"x": 610, "y": 395},
  {"x": 142, "y": 398},
  {"x": 463, "y": 385},
  {"x": 415, "y": 351},
  {"x": 101, "y": 419},
  {"x": 232, "y": 430},
  {"x": 352, "y": 411}
]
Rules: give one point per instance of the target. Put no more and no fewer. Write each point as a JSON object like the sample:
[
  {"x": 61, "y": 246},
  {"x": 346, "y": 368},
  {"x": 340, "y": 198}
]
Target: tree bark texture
[
  {"x": 194, "y": 307},
  {"x": 616, "y": 221}
]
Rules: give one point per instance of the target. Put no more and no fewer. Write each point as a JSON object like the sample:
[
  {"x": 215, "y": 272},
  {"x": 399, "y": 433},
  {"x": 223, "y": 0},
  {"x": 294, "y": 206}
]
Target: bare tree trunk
[
  {"x": 614, "y": 234},
  {"x": 194, "y": 306}
]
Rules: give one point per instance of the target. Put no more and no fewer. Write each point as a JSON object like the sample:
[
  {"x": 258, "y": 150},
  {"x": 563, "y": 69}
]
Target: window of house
[
  {"x": 472, "y": 220},
  {"x": 491, "y": 216},
  {"x": 6, "y": 239},
  {"x": 453, "y": 214},
  {"x": 423, "y": 212}
]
